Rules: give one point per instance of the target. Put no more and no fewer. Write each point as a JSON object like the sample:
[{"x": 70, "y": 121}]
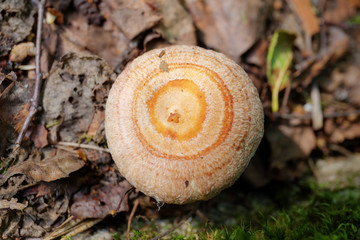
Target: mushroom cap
[{"x": 182, "y": 123}]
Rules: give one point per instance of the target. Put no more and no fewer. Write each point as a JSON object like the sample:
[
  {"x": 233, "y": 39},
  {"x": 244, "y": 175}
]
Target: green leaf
[{"x": 278, "y": 63}]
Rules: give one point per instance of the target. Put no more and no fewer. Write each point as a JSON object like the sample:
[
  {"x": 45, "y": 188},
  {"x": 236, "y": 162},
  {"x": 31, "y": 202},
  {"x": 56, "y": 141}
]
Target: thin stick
[
  {"x": 125, "y": 195},
  {"x": 317, "y": 115},
  {"x": 326, "y": 115},
  {"x": 36, "y": 96},
  {"x": 286, "y": 97},
  {"x": 136, "y": 204},
  {"x": 86, "y": 146}
]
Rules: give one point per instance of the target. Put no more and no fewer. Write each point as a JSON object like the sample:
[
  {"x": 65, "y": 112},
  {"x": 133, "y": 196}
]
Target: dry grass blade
[{"x": 71, "y": 227}]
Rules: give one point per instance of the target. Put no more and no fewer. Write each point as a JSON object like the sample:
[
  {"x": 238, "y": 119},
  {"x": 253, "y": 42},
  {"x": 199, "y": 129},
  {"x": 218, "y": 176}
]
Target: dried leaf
[
  {"x": 13, "y": 204},
  {"x": 288, "y": 146},
  {"x": 337, "y": 11},
  {"x": 305, "y": 11},
  {"x": 176, "y": 25},
  {"x": 10, "y": 224},
  {"x": 75, "y": 88},
  {"x": 278, "y": 63},
  {"x": 232, "y": 26},
  {"x": 21, "y": 116},
  {"x": 6, "y": 44},
  {"x": 290, "y": 24},
  {"x": 39, "y": 136},
  {"x": 257, "y": 55},
  {"x": 46, "y": 170},
  {"x": 97, "y": 156},
  {"x": 101, "y": 201},
  {"x": 12, "y": 186},
  {"x": 344, "y": 132},
  {"x": 97, "y": 120},
  {"x": 338, "y": 45},
  {"x": 131, "y": 17},
  {"x": 17, "y": 19},
  {"x": 80, "y": 37}
]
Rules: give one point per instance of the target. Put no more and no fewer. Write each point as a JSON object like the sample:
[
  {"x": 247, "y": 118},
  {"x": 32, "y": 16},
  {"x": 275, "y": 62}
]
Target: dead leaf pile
[
  {"x": 34, "y": 196},
  {"x": 75, "y": 95},
  {"x": 17, "y": 19},
  {"x": 303, "y": 57}
]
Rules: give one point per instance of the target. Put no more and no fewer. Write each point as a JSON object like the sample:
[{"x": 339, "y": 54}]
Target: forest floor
[{"x": 58, "y": 179}]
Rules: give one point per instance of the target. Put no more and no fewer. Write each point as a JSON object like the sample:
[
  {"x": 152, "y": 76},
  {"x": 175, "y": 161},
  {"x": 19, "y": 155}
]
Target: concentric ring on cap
[{"x": 182, "y": 123}]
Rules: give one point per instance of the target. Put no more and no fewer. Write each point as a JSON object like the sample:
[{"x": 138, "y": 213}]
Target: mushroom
[{"x": 182, "y": 123}]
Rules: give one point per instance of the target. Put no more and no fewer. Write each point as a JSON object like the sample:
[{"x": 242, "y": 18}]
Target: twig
[
  {"x": 86, "y": 146},
  {"x": 126, "y": 194},
  {"x": 7, "y": 76},
  {"x": 136, "y": 204},
  {"x": 306, "y": 64},
  {"x": 36, "y": 96},
  {"x": 71, "y": 150},
  {"x": 340, "y": 149},
  {"x": 286, "y": 97},
  {"x": 323, "y": 38},
  {"x": 317, "y": 113},
  {"x": 173, "y": 228},
  {"x": 326, "y": 115}
]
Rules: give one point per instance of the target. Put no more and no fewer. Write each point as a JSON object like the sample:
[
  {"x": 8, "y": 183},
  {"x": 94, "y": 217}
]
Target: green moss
[
  {"x": 281, "y": 211},
  {"x": 324, "y": 215}
]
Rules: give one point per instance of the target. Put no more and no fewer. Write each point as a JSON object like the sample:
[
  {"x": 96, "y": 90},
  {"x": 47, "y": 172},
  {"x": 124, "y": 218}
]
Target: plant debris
[{"x": 303, "y": 57}]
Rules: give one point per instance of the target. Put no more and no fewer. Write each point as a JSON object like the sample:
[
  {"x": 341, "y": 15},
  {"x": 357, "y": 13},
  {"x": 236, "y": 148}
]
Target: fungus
[{"x": 182, "y": 123}]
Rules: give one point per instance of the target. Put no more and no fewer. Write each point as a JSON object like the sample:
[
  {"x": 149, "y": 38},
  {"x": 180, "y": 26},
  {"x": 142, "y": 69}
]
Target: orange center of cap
[{"x": 178, "y": 109}]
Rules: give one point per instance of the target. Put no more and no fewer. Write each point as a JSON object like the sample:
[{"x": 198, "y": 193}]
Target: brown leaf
[
  {"x": 21, "y": 116},
  {"x": 97, "y": 120},
  {"x": 131, "y": 17},
  {"x": 290, "y": 24},
  {"x": 289, "y": 144},
  {"x": 42, "y": 189},
  {"x": 17, "y": 19},
  {"x": 46, "y": 170},
  {"x": 304, "y": 10},
  {"x": 83, "y": 38},
  {"x": 11, "y": 187},
  {"x": 231, "y": 27},
  {"x": 97, "y": 156},
  {"x": 338, "y": 45},
  {"x": 102, "y": 200},
  {"x": 6, "y": 44},
  {"x": 344, "y": 132},
  {"x": 176, "y": 25},
  {"x": 39, "y": 136},
  {"x": 76, "y": 87},
  {"x": 257, "y": 55},
  {"x": 13, "y": 204},
  {"x": 337, "y": 11}
]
